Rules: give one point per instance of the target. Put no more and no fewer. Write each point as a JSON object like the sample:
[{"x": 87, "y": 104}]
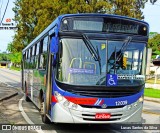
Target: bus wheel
[
  {"x": 25, "y": 94},
  {"x": 45, "y": 119}
]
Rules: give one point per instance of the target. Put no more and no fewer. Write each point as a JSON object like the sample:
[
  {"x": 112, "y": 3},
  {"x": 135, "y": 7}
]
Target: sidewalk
[
  {"x": 7, "y": 92},
  {"x": 157, "y": 100},
  {"x": 155, "y": 86}
]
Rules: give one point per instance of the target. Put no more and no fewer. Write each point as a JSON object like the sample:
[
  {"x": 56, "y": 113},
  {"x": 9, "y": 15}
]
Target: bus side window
[
  {"x": 28, "y": 59},
  {"x": 44, "y": 53},
  {"x": 31, "y": 61},
  {"x": 24, "y": 59},
  {"x": 25, "y": 65},
  {"x": 40, "y": 56},
  {"x": 37, "y": 55},
  {"x": 33, "y": 57}
]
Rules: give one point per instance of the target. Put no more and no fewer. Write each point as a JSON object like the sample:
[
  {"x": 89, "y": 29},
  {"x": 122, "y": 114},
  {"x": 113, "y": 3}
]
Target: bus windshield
[{"x": 77, "y": 66}]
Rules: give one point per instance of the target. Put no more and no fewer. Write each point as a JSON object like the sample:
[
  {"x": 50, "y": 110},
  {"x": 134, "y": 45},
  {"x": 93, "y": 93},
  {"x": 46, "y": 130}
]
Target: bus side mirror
[
  {"x": 54, "y": 45},
  {"x": 53, "y": 59}
]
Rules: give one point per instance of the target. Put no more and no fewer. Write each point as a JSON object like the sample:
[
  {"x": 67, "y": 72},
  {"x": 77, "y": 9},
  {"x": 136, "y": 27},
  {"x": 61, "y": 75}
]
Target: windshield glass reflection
[{"x": 78, "y": 65}]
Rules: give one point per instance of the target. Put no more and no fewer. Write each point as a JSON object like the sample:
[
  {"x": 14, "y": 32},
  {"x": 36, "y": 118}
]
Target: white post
[{"x": 155, "y": 81}]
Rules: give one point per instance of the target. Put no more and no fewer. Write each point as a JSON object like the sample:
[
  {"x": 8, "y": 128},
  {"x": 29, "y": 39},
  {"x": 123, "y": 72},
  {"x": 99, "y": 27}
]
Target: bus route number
[{"x": 121, "y": 103}]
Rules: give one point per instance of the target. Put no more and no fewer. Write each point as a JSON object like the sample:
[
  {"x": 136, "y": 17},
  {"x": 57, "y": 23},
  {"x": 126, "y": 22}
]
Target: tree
[
  {"x": 16, "y": 58},
  {"x": 154, "y": 43},
  {"x": 3, "y": 57},
  {"x": 11, "y": 48},
  {"x": 50, "y": 9},
  {"x": 130, "y": 8},
  {"x": 33, "y": 16}
]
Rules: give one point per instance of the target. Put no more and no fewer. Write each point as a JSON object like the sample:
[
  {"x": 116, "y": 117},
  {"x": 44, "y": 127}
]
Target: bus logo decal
[
  {"x": 104, "y": 106},
  {"x": 99, "y": 102},
  {"x": 111, "y": 80}
]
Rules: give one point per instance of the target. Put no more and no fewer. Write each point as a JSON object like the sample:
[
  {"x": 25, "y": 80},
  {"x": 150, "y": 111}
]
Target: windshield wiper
[
  {"x": 123, "y": 48},
  {"x": 94, "y": 52},
  {"x": 91, "y": 48}
]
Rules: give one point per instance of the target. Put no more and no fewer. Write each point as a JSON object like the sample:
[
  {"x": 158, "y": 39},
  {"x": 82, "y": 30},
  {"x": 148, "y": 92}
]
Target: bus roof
[
  {"x": 59, "y": 18},
  {"x": 103, "y": 15}
]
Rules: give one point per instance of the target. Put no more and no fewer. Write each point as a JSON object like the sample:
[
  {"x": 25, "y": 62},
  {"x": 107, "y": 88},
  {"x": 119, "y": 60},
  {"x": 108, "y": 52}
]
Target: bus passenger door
[{"x": 47, "y": 94}]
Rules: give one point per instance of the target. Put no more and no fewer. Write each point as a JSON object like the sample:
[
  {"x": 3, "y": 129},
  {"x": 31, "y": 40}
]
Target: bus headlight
[
  {"x": 129, "y": 107},
  {"x": 140, "y": 99},
  {"x": 74, "y": 106},
  {"x": 66, "y": 103},
  {"x": 58, "y": 96},
  {"x": 135, "y": 104}
]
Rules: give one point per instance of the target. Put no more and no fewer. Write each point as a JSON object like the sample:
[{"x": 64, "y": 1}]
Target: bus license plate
[{"x": 102, "y": 116}]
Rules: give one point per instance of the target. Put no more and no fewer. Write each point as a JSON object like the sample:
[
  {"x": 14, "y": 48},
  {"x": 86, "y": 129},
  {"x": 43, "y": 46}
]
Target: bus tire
[
  {"x": 45, "y": 119},
  {"x": 26, "y": 98}
]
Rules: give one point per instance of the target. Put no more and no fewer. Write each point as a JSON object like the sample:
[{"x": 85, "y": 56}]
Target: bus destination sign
[{"x": 127, "y": 28}]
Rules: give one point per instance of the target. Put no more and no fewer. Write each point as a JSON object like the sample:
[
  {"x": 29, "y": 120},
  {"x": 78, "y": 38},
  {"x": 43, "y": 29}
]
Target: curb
[
  {"x": 152, "y": 100},
  {"x": 149, "y": 112},
  {"x": 9, "y": 96}
]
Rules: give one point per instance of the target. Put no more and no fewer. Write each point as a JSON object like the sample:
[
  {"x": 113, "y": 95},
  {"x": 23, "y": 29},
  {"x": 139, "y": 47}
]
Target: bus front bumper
[{"x": 127, "y": 114}]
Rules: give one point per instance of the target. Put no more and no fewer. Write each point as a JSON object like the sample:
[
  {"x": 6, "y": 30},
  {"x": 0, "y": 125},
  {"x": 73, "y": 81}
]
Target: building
[{"x": 4, "y": 64}]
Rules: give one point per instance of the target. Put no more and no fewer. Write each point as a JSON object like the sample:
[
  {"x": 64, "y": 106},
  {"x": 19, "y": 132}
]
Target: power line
[
  {"x": 1, "y": 8},
  {"x": 4, "y": 12},
  {"x": 1, "y": 4}
]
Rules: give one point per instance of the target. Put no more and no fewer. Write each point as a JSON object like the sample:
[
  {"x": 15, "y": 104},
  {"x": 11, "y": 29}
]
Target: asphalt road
[
  {"x": 151, "y": 115},
  {"x": 10, "y": 77}
]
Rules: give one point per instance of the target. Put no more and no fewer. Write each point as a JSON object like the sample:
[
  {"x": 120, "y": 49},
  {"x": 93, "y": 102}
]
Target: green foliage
[
  {"x": 16, "y": 58},
  {"x": 152, "y": 34},
  {"x": 154, "y": 43},
  {"x": 11, "y": 48},
  {"x": 130, "y": 8},
  {"x": 4, "y": 57},
  {"x": 15, "y": 68}
]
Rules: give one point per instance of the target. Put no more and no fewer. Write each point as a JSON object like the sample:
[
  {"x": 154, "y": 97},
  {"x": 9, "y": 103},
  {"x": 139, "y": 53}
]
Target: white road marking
[{"x": 25, "y": 115}]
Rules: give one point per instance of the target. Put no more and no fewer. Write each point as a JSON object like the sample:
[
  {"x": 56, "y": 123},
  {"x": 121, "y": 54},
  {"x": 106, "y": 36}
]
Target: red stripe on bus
[
  {"x": 101, "y": 102},
  {"x": 54, "y": 99},
  {"x": 88, "y": 101}
]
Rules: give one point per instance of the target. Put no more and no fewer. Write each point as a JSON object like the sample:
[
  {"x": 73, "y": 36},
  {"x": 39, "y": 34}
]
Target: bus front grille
[
  {"x": 88, "y": 119},
  {"x": 101, "y": 91},
  {"x": 103, "y": 94},
  {"x": 99, "y": 107}
]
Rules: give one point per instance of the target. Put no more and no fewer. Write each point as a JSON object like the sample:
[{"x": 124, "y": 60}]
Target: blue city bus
[{"x": 87, "y": 68}]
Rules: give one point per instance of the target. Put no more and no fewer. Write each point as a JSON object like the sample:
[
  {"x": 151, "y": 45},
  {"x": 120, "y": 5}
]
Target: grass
[
  {"x": 15, "y": 68},
  {"x": 150, "y": 92}
]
